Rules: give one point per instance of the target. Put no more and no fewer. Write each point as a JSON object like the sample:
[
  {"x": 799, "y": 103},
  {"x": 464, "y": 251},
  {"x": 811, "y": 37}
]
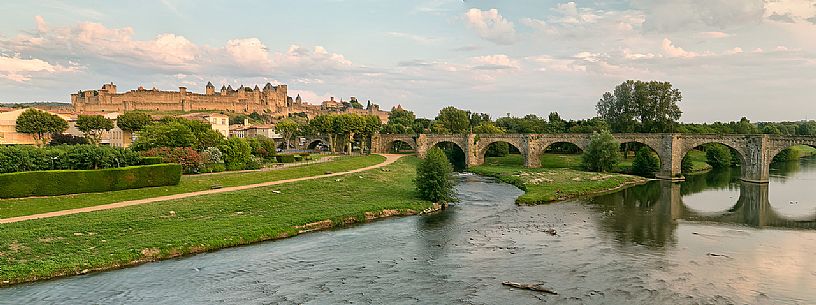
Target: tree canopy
[
  {"x": 133, "y": 121},
  {"x": 92, "y": 127},
  {"x": 40, "y": 125},
  {"x": 638, "y": 106}
]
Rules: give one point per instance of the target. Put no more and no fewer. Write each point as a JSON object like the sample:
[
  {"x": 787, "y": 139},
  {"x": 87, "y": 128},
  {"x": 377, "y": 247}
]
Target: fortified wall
[{"x": 270, "y": 99}]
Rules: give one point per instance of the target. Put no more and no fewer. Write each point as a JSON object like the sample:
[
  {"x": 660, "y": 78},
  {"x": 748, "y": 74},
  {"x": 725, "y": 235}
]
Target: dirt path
[{"x": 389, "y": 158}]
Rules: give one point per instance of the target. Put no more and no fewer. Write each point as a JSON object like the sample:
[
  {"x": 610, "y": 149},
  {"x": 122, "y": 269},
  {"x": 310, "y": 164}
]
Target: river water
[{"x": 709, "y": 240}]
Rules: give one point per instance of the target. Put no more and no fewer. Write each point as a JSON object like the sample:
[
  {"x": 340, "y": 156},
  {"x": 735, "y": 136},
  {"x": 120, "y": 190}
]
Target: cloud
[
  {"x": 715, "y": 35},
  {"x": 786, "y": 17},
  {"x": 673, "y": 51},
  {"x": 491, "y": 26},
  {"x": 812, "y": 19},
  {"x": 679, "y": 15},
  {"x": 20, "y": 70},
  {"x": 248, "y": 52},
  {"x": 413, "y": 37},
  {"x": 494, "y": 62}
]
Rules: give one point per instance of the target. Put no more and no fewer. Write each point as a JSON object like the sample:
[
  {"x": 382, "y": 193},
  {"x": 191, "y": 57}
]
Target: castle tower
[
  {"x": 210, "y": 89},
  {"x": 223, "y": 90},
  {"x": 298, "y": 100},
  {"x": 110, "y": 88}
]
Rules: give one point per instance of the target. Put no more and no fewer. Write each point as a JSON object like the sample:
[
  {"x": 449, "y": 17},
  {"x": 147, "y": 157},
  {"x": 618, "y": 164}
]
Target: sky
[{"x": 729, "y": 58}]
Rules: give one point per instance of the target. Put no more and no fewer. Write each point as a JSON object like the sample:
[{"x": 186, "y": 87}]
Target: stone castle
[{"x": 272, "y": 100}]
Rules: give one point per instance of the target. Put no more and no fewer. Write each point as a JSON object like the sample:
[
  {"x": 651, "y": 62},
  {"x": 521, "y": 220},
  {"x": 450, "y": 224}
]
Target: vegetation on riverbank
[
  {"x": 36, "y": 205},
  {"x": 81, "y": 243},
  {"x": 542, "y": 185}
]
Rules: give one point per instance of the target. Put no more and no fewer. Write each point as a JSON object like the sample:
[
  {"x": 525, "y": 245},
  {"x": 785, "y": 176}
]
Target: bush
[
  {"x": 686, "y": 165},
  {"x": 212, "y": 155},
  {"x": 602, "y": 153},
  {"x": 718, "y": 156},
  {"x": 286, "y": 158},
  {"x": 62, "y": 182},
  {"x": 298, "y": 158},
  {"x": 29, "y": 158},
  {"x": 237, "y": 153},
  {"x": 67, "y": 139},
  {"x": 645, "y": 163},
  {"x": 151, "y": 160},
  {"x": 262, "y": 147},
  {"x": 170, "y": 134},
  {"x": 213, "y": 168},
  {"x": 191, "y": 161},
  {"x": 434, "y": 179},
  {"x": 786, "y": 155}
]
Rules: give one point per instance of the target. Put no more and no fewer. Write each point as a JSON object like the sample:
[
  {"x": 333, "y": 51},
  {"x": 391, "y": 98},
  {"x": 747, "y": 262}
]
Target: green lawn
[
  {"x": 29, "y": 206},
  {"x": 542, "y": 185},
  {"x": 698, "y": 162},
  {"x": 79, "y": 243}
]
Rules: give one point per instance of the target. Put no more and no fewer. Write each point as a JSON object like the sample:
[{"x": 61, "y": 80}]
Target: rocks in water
[
  {"x": 533, "y": 287},
  {"x": 551, "y": 231}
]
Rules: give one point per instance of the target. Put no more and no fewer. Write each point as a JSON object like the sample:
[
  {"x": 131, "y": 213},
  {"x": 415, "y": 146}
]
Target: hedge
[
  {"x": 151, "y": 160},
  {"x": 62, "y": 182},
  {"x": 286, "y": 158}
]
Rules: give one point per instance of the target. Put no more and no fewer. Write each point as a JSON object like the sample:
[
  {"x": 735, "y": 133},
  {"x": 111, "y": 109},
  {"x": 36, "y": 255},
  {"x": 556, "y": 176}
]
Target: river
[{"x": 709, "y": 240}]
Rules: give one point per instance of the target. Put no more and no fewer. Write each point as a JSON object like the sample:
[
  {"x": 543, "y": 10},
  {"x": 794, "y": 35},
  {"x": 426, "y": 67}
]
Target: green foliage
[
  {"x": 686, "y": 165},
  {"x": 287, "y": 128},
  {"x": 401, "y": 117},
  {"x": 434, "y": 181},
  {"x": 286, "y": 158},
  {"x": 202, "y": 132},
  {"x": 453, "y": 120},
  {"x": 787, "y": 154},
  {"x": 602, "y": 154},
  {"x": 61, "y": 182},
  {"x": 66, "y": 139},
  {"x": 237, "y": 154},
  {"x": 92, "y": 127},
  {"x": 151, "y": 160},
  {"x": 262, "y": 147},
  {"x": 133, "y": 121},
  {"x": 166, "y": 134},
  {"x": 718, "y": 156},
  {"x": 646, "y": 163},
  {"x": 641, "y": 106},
  {"x": 80, "y": 157},
  {"x": 40, "y": 125}
]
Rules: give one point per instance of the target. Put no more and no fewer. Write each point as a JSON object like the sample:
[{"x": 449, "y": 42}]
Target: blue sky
[{"x": 728, "y": 57}]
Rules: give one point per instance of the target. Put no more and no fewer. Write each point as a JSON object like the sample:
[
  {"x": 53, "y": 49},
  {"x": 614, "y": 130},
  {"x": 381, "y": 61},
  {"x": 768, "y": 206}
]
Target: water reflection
[{"x": 648, "y": 214}]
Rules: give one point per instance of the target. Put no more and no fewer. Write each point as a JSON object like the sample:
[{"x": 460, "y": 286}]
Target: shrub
[
  {"x": 28, "y": 158},
  {"x": 254, "y": 163},
  {"x": 212, "y": 155},
  {"x": 170, "y": 134},
  {"x": 787, "y": 154},
  {"x": 298, "y": 158},
  {"x": 262, "y": 147},
  {"x": 686, "y": 165},
  {"x": 602, "y": 153},
  {"x": 237, "y": 153},
  {"x": 61, "y": 182},
  {"x": 434, "y": 179},
  {"x": 151, "y": 160},
  {"x": 191, "y": 161},
  {"x": 286, "y": 158},
  {"x": 213, "y": 168},
  {"x": 67, "y": 139},
  {"x": 718, "y": 156},
  {"x": 645, "y": 163}
]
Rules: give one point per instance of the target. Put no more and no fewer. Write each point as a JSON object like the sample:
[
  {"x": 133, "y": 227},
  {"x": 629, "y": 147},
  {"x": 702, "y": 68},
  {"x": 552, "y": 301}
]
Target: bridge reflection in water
[{"x": 648, "y": 214}]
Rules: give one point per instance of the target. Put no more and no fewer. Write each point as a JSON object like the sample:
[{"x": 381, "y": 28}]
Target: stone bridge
[{"x": 755, "y": 151}]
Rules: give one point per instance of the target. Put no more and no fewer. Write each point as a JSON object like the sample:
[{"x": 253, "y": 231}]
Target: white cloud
[
  {"x": 20, "y": 70},
  {"x": 494, "y": 62},
  {"x": 680, "y": 15},
  {"x": 673, "y": 51},
  {"x": 250, "y": 52},
  {"x": 490, "y": 25},
  {"x": 714, "y": 34},
  {"x": 413, "y": 37}
]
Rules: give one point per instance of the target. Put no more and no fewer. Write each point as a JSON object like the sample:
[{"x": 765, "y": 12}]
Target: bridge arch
[
  {"x": 314, "y": 143},
  {"x": 455, "y": 152},
  {"x": 484, "y": 141}
]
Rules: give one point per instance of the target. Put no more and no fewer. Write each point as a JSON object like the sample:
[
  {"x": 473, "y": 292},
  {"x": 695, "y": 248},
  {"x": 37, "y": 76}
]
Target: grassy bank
[
  {"x": 30, "y": 206},
  {"x": 542, "y": 185},
  {"x": 81, "y": 243}
]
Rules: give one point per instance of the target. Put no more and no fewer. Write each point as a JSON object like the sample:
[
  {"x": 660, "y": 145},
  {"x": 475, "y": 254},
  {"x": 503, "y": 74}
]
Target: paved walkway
[{"x": 389, "y": 158}]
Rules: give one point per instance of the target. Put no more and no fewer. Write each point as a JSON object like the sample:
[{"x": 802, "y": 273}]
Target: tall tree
[
  {"x": 287, "y": 128},
  {"x": 324, "y": 124},
  {"x": 92, "y": 126},
  {"x": 453, "y": 120},
  {"x": 133, "y": 121},
  {"x": 40, "y": 125},
  {"x": 641, "y": 106}
]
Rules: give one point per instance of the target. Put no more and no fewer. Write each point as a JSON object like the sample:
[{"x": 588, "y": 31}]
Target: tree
[
  {"x": 92, "y": 126},
  {"x": 287, "y": 128},
  {"x": 602, "y": 153},
  {"x": 170, "y": 134},
  {"x": 718, "y": 156},
  {"x": 236, "y": 153},
  {"x": 40, "y": 125},
  {"x": 497, "y": 149},
  {"x": 324, "y": 124},
  {"x": 645, "y": 163},
  {"x": 347, "y": 125},
  {"x": 133, "y": 121},
  {"x": 371, "y": 124},
  {"x": 641, "y": 106},
  {"x": 434, "y": 179},
  {"x": 453, "y": 120}
]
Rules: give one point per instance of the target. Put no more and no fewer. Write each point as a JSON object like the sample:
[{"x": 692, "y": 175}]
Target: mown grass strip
[
  {"x": 81, "y": 243},
  {"x": 31, "y": 206}
]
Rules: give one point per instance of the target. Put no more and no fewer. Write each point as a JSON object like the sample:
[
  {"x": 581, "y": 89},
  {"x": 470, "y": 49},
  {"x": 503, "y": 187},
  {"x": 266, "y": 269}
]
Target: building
[
  {"x": 247, "y": 130},
  {"x": 8, "y": 128},
  {"x": 270, "y": 99}
]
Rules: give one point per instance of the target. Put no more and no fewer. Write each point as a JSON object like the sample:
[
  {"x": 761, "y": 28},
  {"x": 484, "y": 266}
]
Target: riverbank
[
  {"x": 544, "y": 185},
  {"x": 111, "y": 239},
  {"x": 37, "y": 205}
]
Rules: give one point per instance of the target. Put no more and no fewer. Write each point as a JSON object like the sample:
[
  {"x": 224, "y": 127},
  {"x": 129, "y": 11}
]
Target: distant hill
[{"x": 36, "y": 105}]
